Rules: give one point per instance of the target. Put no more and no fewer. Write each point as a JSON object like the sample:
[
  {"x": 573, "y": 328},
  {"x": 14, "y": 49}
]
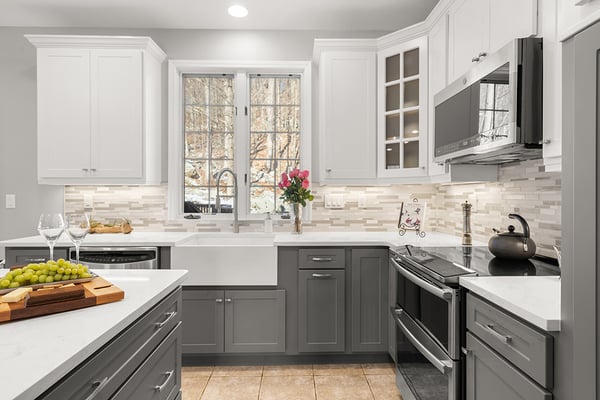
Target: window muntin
[{"x": 273, "y": 138}]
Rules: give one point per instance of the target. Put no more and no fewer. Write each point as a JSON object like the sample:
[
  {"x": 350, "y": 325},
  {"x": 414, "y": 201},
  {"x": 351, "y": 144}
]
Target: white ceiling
[{"x": 349, "y": 15}]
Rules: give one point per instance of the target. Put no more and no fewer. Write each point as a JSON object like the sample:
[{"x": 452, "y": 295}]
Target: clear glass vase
[{"x": 297, "y": 227}]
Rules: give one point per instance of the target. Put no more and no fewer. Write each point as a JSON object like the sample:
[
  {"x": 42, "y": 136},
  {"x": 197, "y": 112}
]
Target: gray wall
[{"x": 18, "y": 160}]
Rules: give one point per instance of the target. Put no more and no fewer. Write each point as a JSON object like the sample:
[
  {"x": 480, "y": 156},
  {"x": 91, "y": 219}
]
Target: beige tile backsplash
[{"x": 523, "y": 188}]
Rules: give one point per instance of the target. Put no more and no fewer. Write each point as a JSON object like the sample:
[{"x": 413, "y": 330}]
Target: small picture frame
[{"x": 412, "y": 217}]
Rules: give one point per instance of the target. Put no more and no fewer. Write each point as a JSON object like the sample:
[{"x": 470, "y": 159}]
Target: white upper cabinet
[
  {"x": 99, "y": 109},
  {"x": 402, "y": 109},
  {"x": 480, "y": 27},
  {"x": 438, "y": 79},
  {"x": 347, "y": 110}
]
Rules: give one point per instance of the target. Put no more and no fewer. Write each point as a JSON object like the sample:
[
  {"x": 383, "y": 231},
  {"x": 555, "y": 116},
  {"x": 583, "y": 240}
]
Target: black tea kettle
[{"x": 511, "y": 244}]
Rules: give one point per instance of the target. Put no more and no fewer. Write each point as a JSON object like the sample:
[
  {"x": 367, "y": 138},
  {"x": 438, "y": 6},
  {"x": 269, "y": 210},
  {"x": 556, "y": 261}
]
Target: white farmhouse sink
[{"x": 227, "y": 259}]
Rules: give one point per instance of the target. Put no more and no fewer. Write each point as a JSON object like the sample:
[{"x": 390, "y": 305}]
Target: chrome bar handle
[
  {"x": 441, "y": 365},
  {"x": 170, "y": 315},
  {"x": 227, "y": 300},
  {"x": 322, "y": 276},
  {"x": 169, "y": 374},
  {"x": 321, "y": 259},
  {"x": 445, "y": 294},
  {"x": 504, "y": 338},
  {"x": 218, "y": 300},
  {"x": 99, "y": 385}
]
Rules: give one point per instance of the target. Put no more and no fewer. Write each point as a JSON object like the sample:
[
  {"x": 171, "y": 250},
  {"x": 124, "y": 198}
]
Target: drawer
[
  {"x": 524, "y": 346},
  {"x": 489, "y": 376},
  {"x": 322, "y": 258},
  {"x": 159, "y": 378},
  {"x": 105, "y": 371},
  {"x": 24, "y": 256}
]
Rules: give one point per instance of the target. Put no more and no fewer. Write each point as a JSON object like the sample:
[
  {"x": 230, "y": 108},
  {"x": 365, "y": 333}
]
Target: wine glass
[
  {"x": 50, "y": 227},
  {"x": 78, "y": 226}
]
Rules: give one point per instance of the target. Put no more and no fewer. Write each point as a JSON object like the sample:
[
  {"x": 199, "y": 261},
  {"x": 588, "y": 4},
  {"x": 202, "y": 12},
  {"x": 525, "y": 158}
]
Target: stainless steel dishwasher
[{"x": 117, "y": 257}]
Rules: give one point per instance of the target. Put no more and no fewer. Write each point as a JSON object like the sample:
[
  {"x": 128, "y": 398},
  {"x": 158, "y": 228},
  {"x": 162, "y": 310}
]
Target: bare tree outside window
[
  {"x": 209, "y": 140},
  {"x": 274, "y": 137}
]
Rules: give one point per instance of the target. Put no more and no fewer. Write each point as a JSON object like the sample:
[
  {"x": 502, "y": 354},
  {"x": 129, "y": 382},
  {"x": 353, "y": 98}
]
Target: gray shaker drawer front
[
  {"x": 524, "y": 346},
  {"x": 322, "y": 258},
  {"x": 103, "y": 373},
  {"x": 159, "y": 377},
  {"x": 490, "y": 377}
]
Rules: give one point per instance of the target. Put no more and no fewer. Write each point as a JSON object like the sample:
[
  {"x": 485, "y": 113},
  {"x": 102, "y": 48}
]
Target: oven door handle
[
  {"x": 445, "y": 294},
  {"x": 444, "y": 366}
]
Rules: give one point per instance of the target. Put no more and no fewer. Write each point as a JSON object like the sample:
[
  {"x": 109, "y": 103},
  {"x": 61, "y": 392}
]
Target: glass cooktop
[{"x": 452, "y": 261}]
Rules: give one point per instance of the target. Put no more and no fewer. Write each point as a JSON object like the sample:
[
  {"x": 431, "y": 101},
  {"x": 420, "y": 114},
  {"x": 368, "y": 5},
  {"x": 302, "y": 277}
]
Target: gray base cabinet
[
  {"x": 369, "y": 300},
  {"x": 26, "y": 255},
  {"x": 203, "y": 316},
  {"x": 490, "y": 377},
  {"x": 145, "y": 355},
  {"x": 233, "y": 321},
  {"x": 506, "y": 358},
  {"x": 321, "y": 310}
]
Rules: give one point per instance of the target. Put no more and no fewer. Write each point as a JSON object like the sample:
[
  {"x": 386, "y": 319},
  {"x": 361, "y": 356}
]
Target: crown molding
[
  {"x": 99, "y": 42},
  {"x": 342, "y": 45}
]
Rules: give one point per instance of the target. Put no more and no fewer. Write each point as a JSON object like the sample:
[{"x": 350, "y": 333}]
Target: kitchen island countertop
[
  {"x": 535, "y": 299},
  {"x": 40, "y": 351}
]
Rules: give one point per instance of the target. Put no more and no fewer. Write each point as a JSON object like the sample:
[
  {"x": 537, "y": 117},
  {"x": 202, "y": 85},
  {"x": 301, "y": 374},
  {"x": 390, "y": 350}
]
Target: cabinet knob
[
  {"x": 328, "y": 170},
  {"x": 465, "y": 351},
  {"x": 475, "y": 59},
  {"x": 218, "y": 300},
  {"x": 547, "y": 141},
  {"x": 85, "y": 169},
  {"x": 482, "y": 54},
  {"x": 227, "y": 300},
  {"x": 93, "y": 169}
]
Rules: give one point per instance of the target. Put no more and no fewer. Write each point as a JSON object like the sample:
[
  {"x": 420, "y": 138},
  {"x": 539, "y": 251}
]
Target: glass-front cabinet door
[{"x": 402, "y": 110}]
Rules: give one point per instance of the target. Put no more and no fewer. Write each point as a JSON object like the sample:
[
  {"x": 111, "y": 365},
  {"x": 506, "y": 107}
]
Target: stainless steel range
[{"x": 429, "y": 317}]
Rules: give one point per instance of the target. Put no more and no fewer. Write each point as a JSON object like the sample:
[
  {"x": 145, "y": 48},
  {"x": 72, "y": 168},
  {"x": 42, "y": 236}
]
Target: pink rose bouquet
[{"x": 295, "y": 187}]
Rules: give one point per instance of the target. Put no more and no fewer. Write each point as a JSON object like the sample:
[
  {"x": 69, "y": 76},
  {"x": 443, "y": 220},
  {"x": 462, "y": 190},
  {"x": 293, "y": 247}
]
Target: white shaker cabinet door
[
  {"x": 63, "y": 112},
  {"x": 510, "y": 19},
  {"x": 348, "y": 119},
  {"x": 468, "y": 35},
  {"x": 117, "y": 116}
]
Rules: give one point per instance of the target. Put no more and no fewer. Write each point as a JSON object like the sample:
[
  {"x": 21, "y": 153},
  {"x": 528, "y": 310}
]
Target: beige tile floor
[{"x": 291, "y": 382}]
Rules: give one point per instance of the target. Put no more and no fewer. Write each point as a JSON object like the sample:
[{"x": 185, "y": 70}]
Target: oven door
[
  {"x": 423, "y": 369},
  {"x": 432, "y": 305}
]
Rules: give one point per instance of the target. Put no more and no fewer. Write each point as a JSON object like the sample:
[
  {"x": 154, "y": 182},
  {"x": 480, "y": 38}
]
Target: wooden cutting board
[{"x": 95, "y": 292}]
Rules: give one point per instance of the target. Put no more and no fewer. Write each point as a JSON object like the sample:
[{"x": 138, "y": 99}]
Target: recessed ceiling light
[{"x": 237, "y": 11}]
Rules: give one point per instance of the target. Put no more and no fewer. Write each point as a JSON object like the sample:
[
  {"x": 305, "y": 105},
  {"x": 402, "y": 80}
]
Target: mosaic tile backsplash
[{"x": 523, "y": 188}]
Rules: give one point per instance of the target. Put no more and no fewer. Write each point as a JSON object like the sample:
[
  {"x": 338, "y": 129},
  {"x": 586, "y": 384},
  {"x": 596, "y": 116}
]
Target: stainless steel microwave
[{"x": 493, "y": 113}]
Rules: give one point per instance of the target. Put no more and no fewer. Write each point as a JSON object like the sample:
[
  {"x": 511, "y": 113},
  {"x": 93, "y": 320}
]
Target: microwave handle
[
  {"x": 445, "y": 294},
  {"x": 441, "y": 365}
]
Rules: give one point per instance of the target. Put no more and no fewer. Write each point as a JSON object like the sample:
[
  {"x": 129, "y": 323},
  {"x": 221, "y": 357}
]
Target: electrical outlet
[
  {"x": 11, "y": 201},
  {"x": 88, "y": 201},
  {"x": 362, "y": 201}
]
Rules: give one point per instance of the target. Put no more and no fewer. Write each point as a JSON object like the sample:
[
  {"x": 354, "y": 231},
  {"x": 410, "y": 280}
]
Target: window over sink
[{"x": 252, "y": 119}]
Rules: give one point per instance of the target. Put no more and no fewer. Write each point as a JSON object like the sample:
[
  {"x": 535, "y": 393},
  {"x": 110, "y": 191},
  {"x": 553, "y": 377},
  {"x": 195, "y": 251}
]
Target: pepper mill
[{"x": 466, "y": 238}]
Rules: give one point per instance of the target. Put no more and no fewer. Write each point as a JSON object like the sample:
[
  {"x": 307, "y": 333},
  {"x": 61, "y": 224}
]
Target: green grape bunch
[{"x": 48, "y": 272}]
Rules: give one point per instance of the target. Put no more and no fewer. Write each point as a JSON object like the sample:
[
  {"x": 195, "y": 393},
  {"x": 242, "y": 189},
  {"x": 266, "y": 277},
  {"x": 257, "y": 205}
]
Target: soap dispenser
[{"x": 268, "y": 223}]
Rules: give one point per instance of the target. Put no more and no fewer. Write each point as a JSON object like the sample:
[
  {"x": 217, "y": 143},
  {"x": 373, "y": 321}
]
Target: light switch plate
[
  {"x": 11, "y": 201},
  {"x": 335, "y": 201}
]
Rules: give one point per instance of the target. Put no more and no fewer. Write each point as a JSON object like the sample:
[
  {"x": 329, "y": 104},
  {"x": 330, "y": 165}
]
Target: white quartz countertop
[
  {"x": 280, "y": 239},
  {"x": 536, "y": 299},
  {"x": 37, "y": 352},
  {"x": 391, "y": 239},
  {"x": 107, "y": 239}
]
